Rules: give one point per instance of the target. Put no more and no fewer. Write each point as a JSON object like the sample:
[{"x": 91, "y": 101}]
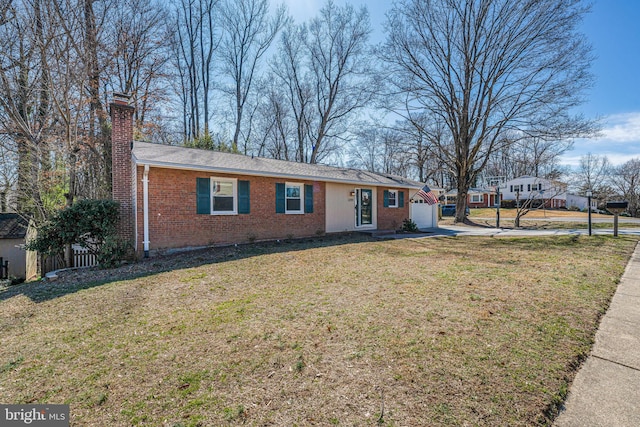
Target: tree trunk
[
  {"x": 461, "y": 198},
  {"x": 461, "y": 205},
  {"x": 97, "y": 111}
]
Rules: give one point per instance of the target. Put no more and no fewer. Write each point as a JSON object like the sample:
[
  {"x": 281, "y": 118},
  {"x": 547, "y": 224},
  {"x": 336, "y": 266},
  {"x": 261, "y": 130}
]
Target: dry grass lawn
[
  {"x": 334, "y": 331},
  {"x": 535, "y": 214},
  {"x": 543, "y": 219}
]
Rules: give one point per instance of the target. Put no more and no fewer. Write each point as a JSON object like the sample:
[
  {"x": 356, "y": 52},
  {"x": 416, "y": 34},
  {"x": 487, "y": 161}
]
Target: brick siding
[
  {"x": 391, "y": 218},
  {"x": 174, "y": 223}
]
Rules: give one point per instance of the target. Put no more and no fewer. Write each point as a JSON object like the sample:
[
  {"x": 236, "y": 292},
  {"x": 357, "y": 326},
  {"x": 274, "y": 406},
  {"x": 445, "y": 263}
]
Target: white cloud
[
  {"x": 622, "y": 127},
  {"x": 619, "y": 140}
]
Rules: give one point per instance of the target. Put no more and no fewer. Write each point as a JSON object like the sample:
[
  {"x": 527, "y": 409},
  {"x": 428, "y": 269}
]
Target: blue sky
[{"x": 613, "y": 30}]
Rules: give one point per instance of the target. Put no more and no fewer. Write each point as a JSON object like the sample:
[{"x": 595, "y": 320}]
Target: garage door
[{"x": 423, "y": 214}]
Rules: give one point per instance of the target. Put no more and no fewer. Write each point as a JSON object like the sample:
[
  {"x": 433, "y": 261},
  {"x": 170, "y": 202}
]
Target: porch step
[{"x": 379, "y": 233}]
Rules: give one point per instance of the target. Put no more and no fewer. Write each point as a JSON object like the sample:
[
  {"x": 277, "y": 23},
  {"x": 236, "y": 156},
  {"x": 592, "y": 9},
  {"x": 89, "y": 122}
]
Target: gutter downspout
[{"x": 145, "y": 209}]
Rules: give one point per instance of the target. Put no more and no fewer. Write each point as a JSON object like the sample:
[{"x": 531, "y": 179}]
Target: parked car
[{"x": 450, "y": 210}]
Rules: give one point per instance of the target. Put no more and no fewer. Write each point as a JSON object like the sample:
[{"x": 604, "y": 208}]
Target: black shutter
[
  {"x": 308, "y": 198},
  {"x": 203, "y": 195},
  {"x": 280, "y": 200},
  {"x": 244, "y": 205}
]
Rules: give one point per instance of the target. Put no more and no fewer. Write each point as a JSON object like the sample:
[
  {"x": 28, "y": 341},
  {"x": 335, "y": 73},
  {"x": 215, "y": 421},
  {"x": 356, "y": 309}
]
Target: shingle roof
[
  {"x": 12, "y": 226},
  {"x": 206, "y": 160}
]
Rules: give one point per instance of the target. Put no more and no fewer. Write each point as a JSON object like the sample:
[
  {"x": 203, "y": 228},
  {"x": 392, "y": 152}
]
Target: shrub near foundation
[{"x": 88, "y": 223}]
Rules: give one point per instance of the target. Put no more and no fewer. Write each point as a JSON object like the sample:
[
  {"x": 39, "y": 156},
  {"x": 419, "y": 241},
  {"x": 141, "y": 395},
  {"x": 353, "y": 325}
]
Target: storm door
[{"x": 364, "y": 207}]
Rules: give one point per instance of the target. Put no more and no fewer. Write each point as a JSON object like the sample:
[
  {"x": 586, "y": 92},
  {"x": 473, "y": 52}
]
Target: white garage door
[{"x": 423, "y": 214}]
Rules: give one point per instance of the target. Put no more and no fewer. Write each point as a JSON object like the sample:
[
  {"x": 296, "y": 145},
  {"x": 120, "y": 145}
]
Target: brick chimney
[{"x": 121, "y": 165}]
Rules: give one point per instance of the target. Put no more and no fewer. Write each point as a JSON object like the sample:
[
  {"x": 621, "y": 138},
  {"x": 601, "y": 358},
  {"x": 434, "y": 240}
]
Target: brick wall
[
  {"x": 173, "y": 222},
  {"x": 391, "y": 218},
  {"x": 121, "y": 137}
]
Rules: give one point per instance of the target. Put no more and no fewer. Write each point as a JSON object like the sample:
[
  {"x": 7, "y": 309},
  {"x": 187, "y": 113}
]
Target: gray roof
[
  {"x": 12, "y": 226},
  {"x": 168, "y": 156}
]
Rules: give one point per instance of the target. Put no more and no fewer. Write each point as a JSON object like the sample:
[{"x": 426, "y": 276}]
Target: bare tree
[
  {"x": 324, "y": 67},
  {"x": 380, "y": 150},
  {"x": 275, "y": 123},
  {"x": 626, "y": 181},
  {"x": 289, "y": 66},
  {"x": 24, "y": 101},
  {"x": 248, "y": 31},
  {"x": 593, "y": 173},
  {"x": 195, "y": 41},
  {"x": 522, "y": 156},
  {"x": 426, "y": 136},
  {"x": 485, "y": 67},
  {"x": 57, "y": 59},
  {"x": 8, "y": 174},
  {"x": 140, "y": 57},
  {"x": 339, "y": 61},
  {"x": 542, "y": 192}
]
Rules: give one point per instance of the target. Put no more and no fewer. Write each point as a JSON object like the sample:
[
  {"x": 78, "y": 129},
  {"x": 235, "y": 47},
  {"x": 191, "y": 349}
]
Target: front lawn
[{"x": 343, "y": 331}]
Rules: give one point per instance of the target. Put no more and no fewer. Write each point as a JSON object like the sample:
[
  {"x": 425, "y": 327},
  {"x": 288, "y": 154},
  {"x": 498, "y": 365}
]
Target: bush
[
  {"x": 113, "y": 250},
  {"x": 409, "y": 225},
  {"x": 508, "y": 204},
  {"x": 88, "y": 223}
]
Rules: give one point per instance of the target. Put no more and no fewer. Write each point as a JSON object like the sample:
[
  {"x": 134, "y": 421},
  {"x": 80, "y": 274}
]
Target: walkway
[{"x": 606, "y": 390}]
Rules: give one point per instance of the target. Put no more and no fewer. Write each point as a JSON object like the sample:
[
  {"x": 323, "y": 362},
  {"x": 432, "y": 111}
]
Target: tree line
[{"x": 456, "y": 90}]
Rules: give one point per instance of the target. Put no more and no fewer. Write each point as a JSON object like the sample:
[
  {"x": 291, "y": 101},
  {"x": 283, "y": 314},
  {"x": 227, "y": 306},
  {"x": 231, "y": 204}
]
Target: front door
[{"x": 364, "y": 207}]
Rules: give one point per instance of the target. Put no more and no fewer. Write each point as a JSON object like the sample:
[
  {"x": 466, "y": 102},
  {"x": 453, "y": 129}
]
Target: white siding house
[
  {"x": 554, "y": 193},
  {"x": 580, "y": 202}
]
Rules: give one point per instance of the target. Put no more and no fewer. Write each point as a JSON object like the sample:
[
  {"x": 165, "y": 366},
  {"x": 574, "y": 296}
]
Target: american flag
[{"x": 427, "y": 195}]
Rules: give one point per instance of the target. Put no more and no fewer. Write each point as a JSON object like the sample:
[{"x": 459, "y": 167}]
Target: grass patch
[{"x": 434, "y": 331}]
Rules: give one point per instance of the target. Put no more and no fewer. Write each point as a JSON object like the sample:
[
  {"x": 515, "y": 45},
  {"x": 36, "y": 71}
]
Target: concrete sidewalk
[{"x": 606, "y": 390}]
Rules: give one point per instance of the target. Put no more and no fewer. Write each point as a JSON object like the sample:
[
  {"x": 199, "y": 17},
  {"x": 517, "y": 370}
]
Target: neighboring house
[
  {"x": 552, "y": 193},
  {"x": 13, "y": 231},
  {"x": 476, "y": 198},
  {"x": 439, "y": 192},
  {"x": 176, "y": 197},
  {"x": 580, "y": 202}
]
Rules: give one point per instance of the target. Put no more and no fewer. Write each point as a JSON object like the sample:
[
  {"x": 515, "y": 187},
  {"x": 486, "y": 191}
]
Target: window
[
  {"x": 393, "y": 199},
  {"x": 477, "y": 198},
  {"x": 293, "y": 198},
  {"x": 222, "y": 196}
]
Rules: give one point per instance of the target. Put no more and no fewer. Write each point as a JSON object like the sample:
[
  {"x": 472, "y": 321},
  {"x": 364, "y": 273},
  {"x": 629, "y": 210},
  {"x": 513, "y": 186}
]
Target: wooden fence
[{"x": 81, "y": 258}]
